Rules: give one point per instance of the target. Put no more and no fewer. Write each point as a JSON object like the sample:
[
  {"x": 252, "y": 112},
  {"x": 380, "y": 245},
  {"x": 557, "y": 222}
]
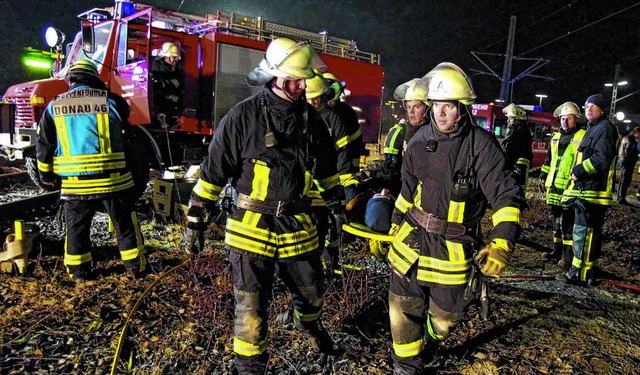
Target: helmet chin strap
[{"x": 274, "y": 84}]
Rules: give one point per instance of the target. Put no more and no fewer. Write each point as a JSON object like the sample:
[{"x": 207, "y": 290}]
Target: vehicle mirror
[{"x": 88, "y": 39}]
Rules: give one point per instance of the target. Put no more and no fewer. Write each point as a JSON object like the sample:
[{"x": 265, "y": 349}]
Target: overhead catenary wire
[{"x": 581, "y": 28}]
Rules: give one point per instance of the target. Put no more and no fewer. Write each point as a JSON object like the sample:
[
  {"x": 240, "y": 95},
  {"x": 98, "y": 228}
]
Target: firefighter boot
[
  {"x": 320, "y": 335},
  {"x": 556, "y": 253}
]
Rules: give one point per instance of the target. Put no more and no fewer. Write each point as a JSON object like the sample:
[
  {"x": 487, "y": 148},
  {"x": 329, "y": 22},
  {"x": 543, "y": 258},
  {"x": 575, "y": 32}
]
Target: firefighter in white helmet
[
  {"x": 452, "y": 170},
  {"x": 272, "y": 146},
  {"x": 167, "y": 75},
  {"x": 556, "y": 172},
  {"x": 517, "y": 144}
]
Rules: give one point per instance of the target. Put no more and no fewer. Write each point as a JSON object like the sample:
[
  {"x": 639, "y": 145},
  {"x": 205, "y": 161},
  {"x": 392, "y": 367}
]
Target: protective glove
[
  {"x": 338, "y": 216},
  {"x": 49, "y": 180},
  {"x": 193, "y": 239},
  {"x": 497, "y": 254}
]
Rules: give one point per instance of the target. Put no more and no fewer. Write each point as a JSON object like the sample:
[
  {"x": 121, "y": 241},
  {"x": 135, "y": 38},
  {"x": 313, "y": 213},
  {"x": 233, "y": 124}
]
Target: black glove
[
  {"x": 193, "y": 239},
  {"x": 338, "y": 215},
  {"x": 49, "y": 180}
]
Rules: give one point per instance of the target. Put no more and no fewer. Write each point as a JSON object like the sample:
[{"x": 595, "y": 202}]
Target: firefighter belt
[
  {"x": 276, "y": 208},
  {"x": 436, "y": 226}
]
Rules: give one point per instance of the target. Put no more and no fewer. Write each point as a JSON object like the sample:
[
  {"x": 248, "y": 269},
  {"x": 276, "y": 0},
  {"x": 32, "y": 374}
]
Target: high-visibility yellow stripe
[
  {"x": 588, "y": 166},
  {"x": 246, "y": 349},
  {"x": 61, "y": 133},
  {"x": 96, "y": 190},
  {"x": 260, "y": 182},
  {"x": 402, "y": 204},
  {"x": 411, "y": 349},
  {"x": 73, "y": 159},
  {"x": 115, "y": 178},
  {"x": 81, "y": 168},
  {"x": 77, "y": 260},
  {"x": 456, "y": 212},
  {"x": 44, "y": 167},
  {"x": 207, "y": 190},
  {"x": 506, "y": 214},
  {"x": 328, "y": 183}
]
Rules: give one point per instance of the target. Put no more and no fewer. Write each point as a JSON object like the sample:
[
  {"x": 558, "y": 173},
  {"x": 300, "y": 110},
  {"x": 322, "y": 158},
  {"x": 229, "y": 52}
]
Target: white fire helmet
[{"x": 448, "y": 82}]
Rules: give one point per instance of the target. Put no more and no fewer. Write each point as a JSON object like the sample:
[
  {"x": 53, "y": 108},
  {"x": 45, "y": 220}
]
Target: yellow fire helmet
[
  {"x": 316, "y": 86},
  {"x": 448, "y": 82},
  {"x": 567, "y": 108},
  {"x": 286, "y": 58},
  {"x": 416, "y": 89},
  {"x": 337, "y": 85},
  {"x": 514, "y": 111},
  {"x": 169, "y": 49}
]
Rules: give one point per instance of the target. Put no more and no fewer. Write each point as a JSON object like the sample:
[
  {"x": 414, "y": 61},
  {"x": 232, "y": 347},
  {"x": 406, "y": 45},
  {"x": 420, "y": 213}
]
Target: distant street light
[
  {"x": 541, "y": 96},
  {"x": 620, "y": 116}
]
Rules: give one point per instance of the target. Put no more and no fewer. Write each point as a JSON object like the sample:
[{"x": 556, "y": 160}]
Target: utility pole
[
  {"x": 506, "y": 86},
  {"x": 614, "y": 93},
  {"x": 508, "y": 59}
]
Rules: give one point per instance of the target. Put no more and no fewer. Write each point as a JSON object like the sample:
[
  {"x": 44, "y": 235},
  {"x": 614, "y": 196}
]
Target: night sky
[{"x": 583, "y": 39}]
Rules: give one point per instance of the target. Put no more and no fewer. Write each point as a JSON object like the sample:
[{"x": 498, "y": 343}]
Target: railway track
[{"x": 21, "y": 199}]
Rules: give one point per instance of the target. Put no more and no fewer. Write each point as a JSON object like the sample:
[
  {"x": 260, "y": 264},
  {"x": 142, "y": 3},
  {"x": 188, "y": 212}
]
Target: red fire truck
[
  {"x": 218, "y": 50},
  {"x": 541, "y": 124}
]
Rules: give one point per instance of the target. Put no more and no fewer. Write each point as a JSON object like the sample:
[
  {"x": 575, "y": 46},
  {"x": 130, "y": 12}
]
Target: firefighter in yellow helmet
[
  {"x": 348, "y": 142},
  {"x": 556, "y": 172},
  {"x": 452, "y": 170},
  {"x": 517, "y": 144},
  {"x": 167, "y": 75},
  {"x": 86, "y": 151},
  {"x": 273, "y": 146}
]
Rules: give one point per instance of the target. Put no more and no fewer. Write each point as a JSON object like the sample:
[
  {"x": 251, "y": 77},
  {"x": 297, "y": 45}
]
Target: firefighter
[
  {"x": 344, "y": 130},
  {"x": 347, "y": 140},
  {"x": 627, "y": 158},
  {"x": 413, "y": 97},
  {"x": 167, "y": 72},
  {"x": 590, "y": 189},
  {"x": 556, "y": 172},
  {"x": 272, "y": 146},
  {"x": 517, "y": 143},
  {"x": 451, "y": 171},
  {"x": 80, "y": 140}
]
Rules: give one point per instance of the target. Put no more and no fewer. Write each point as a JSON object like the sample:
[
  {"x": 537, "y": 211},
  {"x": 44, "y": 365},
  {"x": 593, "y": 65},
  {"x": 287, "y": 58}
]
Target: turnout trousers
[
  {"x": 626, "y": 173},
  {"x": 420, "y": 317},
  {"x": 252, "y": 276},
  {"x": 563, "y": 221},
  {"x": 587, "y": 239},
  {"x": 78, "y": 216}
]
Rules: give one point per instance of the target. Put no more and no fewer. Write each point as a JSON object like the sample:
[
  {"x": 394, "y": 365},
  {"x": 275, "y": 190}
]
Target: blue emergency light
[{"x": 124, "y": 9}]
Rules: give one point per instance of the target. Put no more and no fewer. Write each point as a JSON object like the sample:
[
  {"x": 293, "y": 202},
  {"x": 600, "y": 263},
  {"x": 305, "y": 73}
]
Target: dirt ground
[{"x": 178, "y": 320}]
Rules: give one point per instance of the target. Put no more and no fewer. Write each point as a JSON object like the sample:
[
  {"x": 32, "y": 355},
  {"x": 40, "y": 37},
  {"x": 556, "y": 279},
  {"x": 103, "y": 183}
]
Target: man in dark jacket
[
  {"x": 80, "y": 140},
  {"x": 167, "y": 74},
  {"x": 517, "y": 144},
  {"x": 452, "y": 170},
  {"x": 627, "y": 158},
  {"x": 272, "y": 146},
  {"x": 591, "y": 189}
]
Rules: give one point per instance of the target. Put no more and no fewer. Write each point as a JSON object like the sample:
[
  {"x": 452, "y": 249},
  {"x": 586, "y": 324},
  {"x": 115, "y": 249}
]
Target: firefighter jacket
[
  {"x": 561, "y": 155},
  {"x": 347, "y": 139},
  {"x": 270, "y": 163},
  {"x": 517, "y": 149},
  {"x": 628, "y": 151},
  {"x": 80, "y": 138},
  {"x": 168, "y": 82},
  {"x": 594, "y": 167},
  {"x": 395, "y": 144},
  {"x": 451, "y": 179}
]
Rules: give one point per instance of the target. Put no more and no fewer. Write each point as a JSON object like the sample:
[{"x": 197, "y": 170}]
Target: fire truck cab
[{"x": 217, "y": 52}]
